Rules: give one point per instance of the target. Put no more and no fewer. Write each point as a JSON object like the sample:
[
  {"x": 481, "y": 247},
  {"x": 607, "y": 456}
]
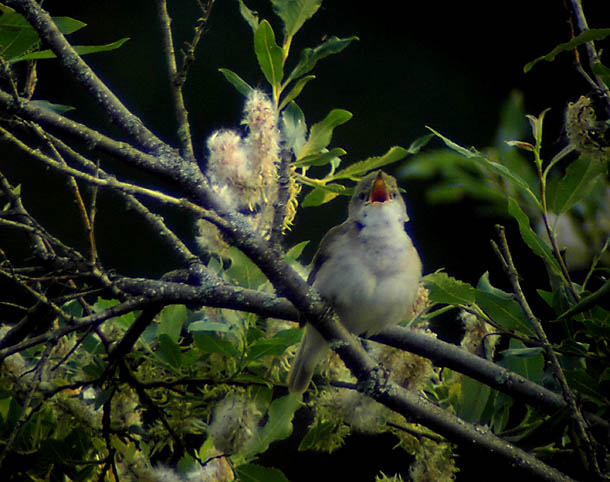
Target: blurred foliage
[{"x": 561, "y": 207}]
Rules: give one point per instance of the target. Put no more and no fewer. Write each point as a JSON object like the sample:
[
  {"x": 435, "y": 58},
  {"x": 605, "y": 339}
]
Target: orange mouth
[{"x": 379, "y": 193}]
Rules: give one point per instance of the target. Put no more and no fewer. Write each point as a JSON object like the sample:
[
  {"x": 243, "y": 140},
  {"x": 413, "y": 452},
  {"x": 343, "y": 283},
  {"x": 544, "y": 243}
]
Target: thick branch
[
  {"x": 445, "y": 354},
  {"x": 213, "y": 293},
  {"x": 93, "y": 138}
]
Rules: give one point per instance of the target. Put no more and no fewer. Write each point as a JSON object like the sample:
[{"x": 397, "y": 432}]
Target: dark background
[{"x": 448, "y": 65}]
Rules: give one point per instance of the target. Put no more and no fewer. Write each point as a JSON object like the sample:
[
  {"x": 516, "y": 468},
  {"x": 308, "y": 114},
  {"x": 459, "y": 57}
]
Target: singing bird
[{"x": 367, "y": 268}]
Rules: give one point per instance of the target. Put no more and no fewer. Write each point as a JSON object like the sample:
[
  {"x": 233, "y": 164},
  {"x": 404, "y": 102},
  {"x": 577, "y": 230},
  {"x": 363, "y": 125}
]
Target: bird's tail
[{"x": 311, "y": 352}]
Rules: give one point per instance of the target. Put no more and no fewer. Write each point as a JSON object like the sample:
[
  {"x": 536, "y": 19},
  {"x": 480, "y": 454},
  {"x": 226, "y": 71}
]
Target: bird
[{"x": 366, "y": 268}]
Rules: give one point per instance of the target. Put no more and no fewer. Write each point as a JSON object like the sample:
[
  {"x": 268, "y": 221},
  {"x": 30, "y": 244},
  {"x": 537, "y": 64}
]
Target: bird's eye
[
  {"x": 393, "y": 195},
  {"x": 362, "y": 196}
]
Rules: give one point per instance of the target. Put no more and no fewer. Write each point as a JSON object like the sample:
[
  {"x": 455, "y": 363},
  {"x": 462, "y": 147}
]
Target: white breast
[{"x": 373, "y": 281}]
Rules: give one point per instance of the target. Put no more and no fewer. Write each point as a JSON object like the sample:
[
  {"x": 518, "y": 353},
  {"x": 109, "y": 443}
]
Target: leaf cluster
[{"x": 536, "y": 196}]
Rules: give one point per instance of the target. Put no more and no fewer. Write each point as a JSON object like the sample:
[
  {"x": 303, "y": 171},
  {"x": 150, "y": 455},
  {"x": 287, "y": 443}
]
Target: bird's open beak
[{"x": 379, "y": 192}]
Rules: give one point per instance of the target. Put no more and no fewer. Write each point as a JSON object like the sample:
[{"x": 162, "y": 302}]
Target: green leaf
[
  {"x": 250, "y": 16},
  {"x": 323, "y": 194},
  {"x": 204, "y": 325},
  {"x": 501, "y": 306},
  {"x": 294, "y": 13},
  {"x": 527, "y": 362},
  {"x": 512, "y": 122},
  {"x": 472, "y": 400},
  {"x": 268, "y": 54},
  {"x": 295, "y": 252},
  {"x": 169, "y": 351},
  {"x": 468, "y": 153},
  {"x": 320, "y": 159},
  {"x": 309, "y": 57},
  {"x": 579, "y": 179},
  {"x": 95, "y": 368},
  {"x": 171, "y": 320},
  {"x": 512, "y": 178},
  {"x": 16, "y": 35},
  {"x": 212, "y": 343},
  {"x": 101, "y": 397},
  {"x": 58, "y": 108},
  {"x": 296, "y": 90},
  {"x": 584, "y": 37},
  {"x": 586, "y": 385},
  {"x": 445, "y": 289},
  {"x": 278, "y": 426},
  {"x": 261, "y": 396},
  {"x": 603, "y": 72},
  {"x": 418, "y": 143},
  {"x": 496, "y": 167},
  {"x": 80, "y": 49},
  {"x": 274, "y": 346},
  {"x": 68, "y": 25},
  {"x": 321, "y": 133},
  {"x": 243, "y": 271},
  {"x": 316, "y": 434},
  {"x": 394, "y": 154},
  {"x": 5, "y": 405},
  {"x": 533, "y": 241},
  {"x": 258, "y": 473},
  {"x": 236, "y": 81},
  {"x": 588, "y": 301}
]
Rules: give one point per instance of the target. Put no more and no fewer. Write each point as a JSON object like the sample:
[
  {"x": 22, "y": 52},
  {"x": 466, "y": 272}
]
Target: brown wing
[{"x": 330, "y": 238}]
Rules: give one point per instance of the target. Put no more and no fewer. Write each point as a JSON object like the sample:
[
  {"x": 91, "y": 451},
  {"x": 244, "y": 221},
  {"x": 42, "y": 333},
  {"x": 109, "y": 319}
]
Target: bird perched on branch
[{"x": 367, "y": 268}]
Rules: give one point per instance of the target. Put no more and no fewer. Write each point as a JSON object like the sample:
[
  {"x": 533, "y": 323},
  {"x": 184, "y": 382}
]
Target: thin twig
[
  {"x": 80, "y": 203},
  {"x": 26, "y": 413},
  {"x": 579, "y": 25},
  {"x": 7, "y": 73},
  {"x": 155, "y": 221},
  {"x": 17, "y": 204},
  {"x": 189, "y": 52},
  {"x": 580, "y": 423},
  {"x": 180, "y": 111},
  {"x": 147, "y": 401},
  {"x": 118, "y": 185}
]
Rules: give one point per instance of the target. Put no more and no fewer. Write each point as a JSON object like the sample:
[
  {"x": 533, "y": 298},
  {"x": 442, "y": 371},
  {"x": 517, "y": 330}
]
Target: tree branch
[
  {"x": 446, "y": 355},
  {"x": 371, "y": 380},
  {"x": 176, "y": 83},
  {"x": 42, "y": 22},
  {"x": 579, "y": 25},
  {"x": 120, "y": 150}
]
